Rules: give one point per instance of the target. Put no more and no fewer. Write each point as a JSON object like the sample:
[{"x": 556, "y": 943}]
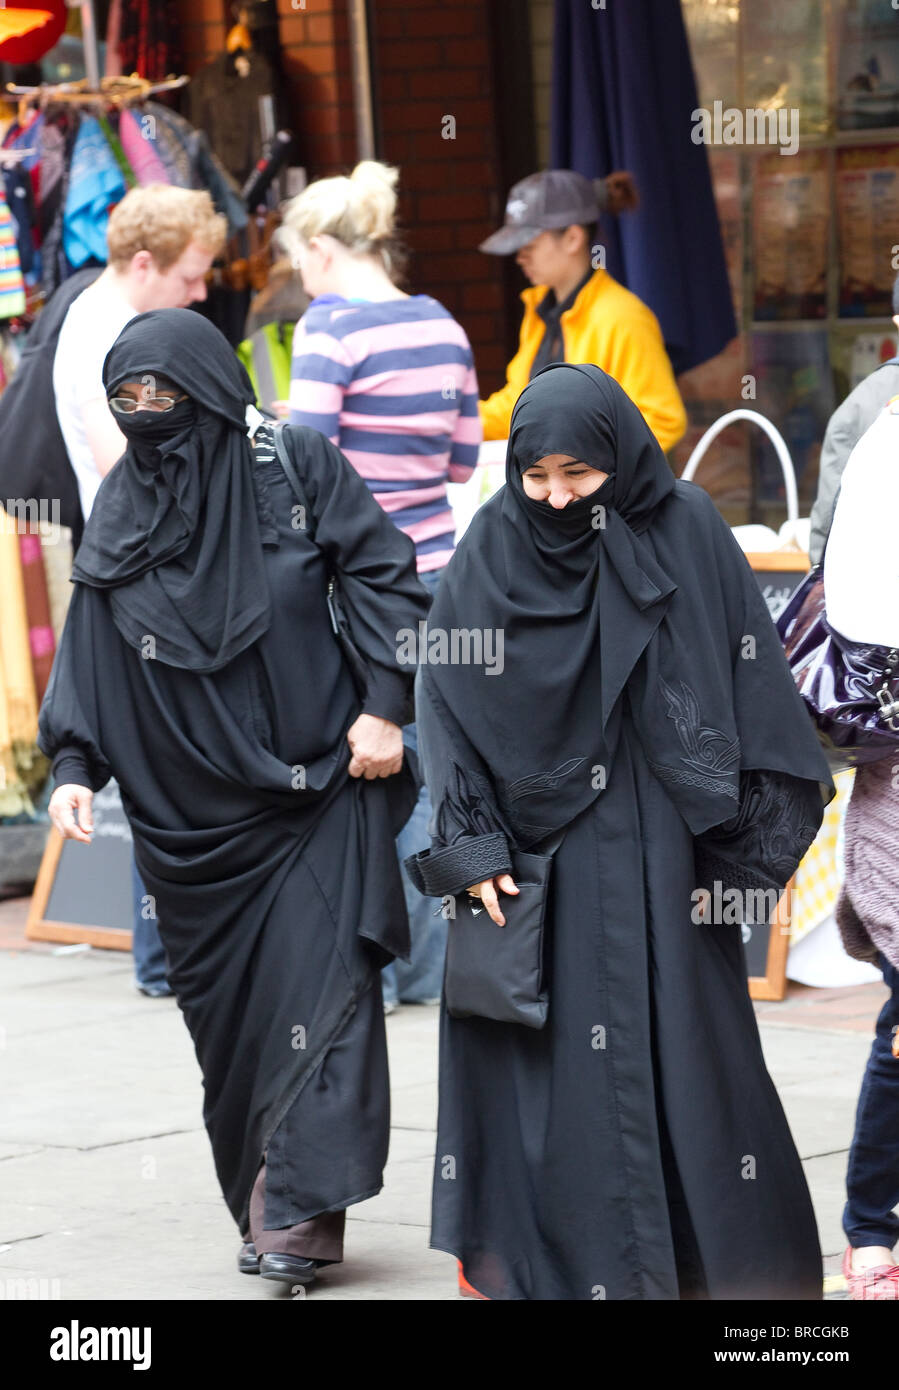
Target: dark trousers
[
  {"x": 319, "y": 1238},
  {"x": 872, "y": 1182},
  {"x": 146, "y": 945}
]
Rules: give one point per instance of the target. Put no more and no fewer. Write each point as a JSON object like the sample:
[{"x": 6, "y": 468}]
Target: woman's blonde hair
[{"x": 359, "y": 211}]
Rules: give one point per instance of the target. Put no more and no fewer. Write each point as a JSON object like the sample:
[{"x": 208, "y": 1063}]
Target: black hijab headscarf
[
  {"x": 604, "y": 594},
  {"x": 174, "y": 534}
]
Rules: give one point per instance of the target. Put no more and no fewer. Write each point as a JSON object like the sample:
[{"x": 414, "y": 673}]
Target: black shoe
[
  {"x": 159, "y": 990},
  {"x": 288, "y": 1269},
  {"x": 247, "y": 1259}
]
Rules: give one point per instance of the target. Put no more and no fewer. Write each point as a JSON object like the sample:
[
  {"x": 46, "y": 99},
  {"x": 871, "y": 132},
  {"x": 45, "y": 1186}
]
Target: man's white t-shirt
[{"x": 89, "y": 330}]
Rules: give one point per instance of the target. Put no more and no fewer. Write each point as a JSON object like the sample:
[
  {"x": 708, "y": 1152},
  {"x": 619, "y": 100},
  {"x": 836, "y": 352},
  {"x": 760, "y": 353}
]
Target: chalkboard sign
[
  {"x": 84, "y": 892},
  {"x": 779, "y": 573}
]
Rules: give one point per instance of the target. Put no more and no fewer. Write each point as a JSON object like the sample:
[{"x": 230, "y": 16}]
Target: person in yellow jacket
[{"x": 575, "y": 312}]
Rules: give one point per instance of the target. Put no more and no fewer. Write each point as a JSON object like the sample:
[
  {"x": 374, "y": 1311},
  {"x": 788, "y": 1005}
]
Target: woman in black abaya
[
  {"x": 199, "y": 668},
  {"x": 635, "y": 1147}
]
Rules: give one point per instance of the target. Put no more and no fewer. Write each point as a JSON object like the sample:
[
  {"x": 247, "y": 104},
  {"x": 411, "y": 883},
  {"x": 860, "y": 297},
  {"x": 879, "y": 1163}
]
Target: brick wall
[
  {"x": 315, "y": 57},
  {"x": 203, "y": 30},
  {"x": 433, "y": 61},
  {"x": 541, "y": 19}
]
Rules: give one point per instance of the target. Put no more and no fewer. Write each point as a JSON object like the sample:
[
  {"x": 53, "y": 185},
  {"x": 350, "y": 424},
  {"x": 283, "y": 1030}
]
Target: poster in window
[
  {"x": 867, "y": 65},
  {"x": 867, "y": 195},
  {"x": 790, "y": 211}
]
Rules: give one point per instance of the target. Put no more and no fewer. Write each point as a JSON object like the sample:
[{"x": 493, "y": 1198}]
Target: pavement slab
[{"x": 107, "y": 1187}]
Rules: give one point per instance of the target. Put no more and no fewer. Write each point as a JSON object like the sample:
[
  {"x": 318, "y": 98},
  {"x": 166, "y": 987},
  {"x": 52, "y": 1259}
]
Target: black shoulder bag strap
[{"x": 294, "y": 479}]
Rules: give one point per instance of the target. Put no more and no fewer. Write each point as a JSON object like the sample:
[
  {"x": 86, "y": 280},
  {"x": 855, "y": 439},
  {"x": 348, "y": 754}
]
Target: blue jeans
[
  {"x": 422, "y": 978},
  {"x": 872, "y": 1182},
  {"x": 146, "y": 946}
]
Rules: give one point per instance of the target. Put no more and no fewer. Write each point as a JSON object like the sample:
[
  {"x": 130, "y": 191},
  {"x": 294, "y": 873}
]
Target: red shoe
[
  {"x": 465, "y": 1289},
  {"x": 879, "y": 1284}
]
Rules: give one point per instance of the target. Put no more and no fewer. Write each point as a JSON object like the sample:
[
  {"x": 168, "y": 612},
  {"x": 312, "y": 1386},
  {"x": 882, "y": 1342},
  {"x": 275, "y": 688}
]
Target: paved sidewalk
[{"x": 106, "y": 1178}]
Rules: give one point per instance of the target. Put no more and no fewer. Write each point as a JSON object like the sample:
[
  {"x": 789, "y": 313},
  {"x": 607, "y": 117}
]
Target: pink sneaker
[{"x": 880, "y": 1284}]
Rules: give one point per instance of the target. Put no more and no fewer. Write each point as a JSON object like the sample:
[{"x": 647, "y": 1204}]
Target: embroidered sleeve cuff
[
  {"x": 719, "y": 875},
  {"x": 457, "y": 867}
]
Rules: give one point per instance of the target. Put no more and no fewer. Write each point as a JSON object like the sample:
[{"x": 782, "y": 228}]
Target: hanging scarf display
[
  {"x": 85, "y": 155},
  {"x": 12, "y": 286},
  {"x": 140, "y": 150},
  {"x": 95, "y": 184}
]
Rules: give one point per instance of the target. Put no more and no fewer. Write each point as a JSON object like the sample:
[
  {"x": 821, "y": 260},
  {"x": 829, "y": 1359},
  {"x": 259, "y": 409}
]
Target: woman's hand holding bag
[{"x": 488, "y": 892}]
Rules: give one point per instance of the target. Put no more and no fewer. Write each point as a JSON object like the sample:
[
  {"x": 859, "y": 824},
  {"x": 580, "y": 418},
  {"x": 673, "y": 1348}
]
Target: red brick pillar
[
  {"x": 434, "y": 89},
  {"x": 316, "y": 61}
]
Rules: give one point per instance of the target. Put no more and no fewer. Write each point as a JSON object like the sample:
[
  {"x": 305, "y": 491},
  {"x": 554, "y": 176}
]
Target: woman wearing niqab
[
  {"x": 198, "y": 666},
  {"x": 634, "y": 1148}
]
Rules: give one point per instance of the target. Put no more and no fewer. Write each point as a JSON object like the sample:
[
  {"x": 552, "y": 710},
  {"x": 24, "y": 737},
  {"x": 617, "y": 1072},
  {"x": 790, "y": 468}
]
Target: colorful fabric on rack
[
  {"x": 50, "y": 172},
  {"x": 95, "y": 185},
  {"x": 169, "y": 144},
  {"x": 203, "y": 169},
  {"x": 12, "y": 286},
  {"x": 52, "y": 140},
  {"x": 118, "y": 152},
  {"x": 140, "y": 150},
  {"x": 59, "y": 139},
  {"x": 26, "y": 137},
  {"x": 19, "y": 196},
  {"x": 37, "y": 610}
]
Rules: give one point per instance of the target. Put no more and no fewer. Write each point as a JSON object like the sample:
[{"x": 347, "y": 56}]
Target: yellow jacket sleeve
[
  {"x": 496, "y": 411},
  {"x": 637, "y": 359}
]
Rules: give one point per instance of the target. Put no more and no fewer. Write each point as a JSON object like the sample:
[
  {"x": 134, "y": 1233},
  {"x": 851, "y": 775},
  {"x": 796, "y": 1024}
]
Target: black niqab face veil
[
  {"x": 174, "y": 534},
  {"x": 611, "y": 591}
]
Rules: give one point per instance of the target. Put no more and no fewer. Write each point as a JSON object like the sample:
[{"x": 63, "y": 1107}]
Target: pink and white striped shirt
[{"x": 392, "y": 384}]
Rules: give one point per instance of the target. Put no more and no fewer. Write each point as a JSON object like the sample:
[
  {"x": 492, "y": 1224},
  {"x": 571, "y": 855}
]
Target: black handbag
[
  {"x": 339, "y": 621},
  {"x": 498, "y": 972}
]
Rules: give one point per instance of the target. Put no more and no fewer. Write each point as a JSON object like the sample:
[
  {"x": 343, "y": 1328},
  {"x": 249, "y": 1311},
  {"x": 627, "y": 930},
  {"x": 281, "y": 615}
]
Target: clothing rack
[{"x": 112, "y": 91}]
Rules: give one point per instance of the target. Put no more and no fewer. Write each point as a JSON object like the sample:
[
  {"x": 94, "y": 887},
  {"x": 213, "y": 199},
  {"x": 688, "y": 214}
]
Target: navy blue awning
[{"x": 623, "y": 98}]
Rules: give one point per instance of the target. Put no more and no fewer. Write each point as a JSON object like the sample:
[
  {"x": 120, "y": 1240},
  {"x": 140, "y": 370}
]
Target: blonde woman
[{"x": 389, "y": 378}]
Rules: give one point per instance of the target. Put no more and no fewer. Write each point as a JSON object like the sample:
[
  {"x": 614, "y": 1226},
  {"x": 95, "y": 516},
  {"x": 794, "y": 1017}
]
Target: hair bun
[{"x": 374, "y": 198}]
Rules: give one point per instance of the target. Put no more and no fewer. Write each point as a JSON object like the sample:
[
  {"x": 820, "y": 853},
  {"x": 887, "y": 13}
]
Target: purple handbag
[{"x": 850, "y": 689}]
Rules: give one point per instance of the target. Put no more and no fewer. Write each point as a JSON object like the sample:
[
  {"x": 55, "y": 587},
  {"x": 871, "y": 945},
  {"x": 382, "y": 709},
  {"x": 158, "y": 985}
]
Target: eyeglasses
[{"x": 124, "y": 405}]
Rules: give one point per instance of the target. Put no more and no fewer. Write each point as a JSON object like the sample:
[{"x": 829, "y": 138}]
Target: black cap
[{"x": 556, "y": 198}]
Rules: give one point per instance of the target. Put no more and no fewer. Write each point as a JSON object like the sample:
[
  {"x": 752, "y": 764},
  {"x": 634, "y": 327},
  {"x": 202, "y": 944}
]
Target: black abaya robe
[
  {"x": 635, "y": 1147},
  {"x": 274, "y": 872}
]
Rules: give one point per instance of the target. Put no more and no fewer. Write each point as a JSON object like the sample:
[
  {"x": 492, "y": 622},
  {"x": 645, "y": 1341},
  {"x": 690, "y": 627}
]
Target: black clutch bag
[{"x": 498, "y": 972}]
